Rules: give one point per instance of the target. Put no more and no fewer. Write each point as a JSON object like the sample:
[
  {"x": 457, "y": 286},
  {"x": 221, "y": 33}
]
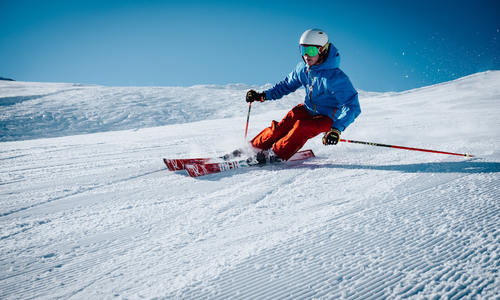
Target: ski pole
[
  {"x": 405, "y": 148},
  {"x": 248, "y": 118}
]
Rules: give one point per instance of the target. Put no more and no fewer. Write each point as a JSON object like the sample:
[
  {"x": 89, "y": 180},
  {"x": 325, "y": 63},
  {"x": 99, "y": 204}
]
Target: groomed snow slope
[{"x": 98, "y": 215}]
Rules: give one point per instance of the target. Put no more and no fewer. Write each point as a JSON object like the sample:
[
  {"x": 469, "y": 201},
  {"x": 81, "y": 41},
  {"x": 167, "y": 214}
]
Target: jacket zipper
[{"x": 310, "y": 92}]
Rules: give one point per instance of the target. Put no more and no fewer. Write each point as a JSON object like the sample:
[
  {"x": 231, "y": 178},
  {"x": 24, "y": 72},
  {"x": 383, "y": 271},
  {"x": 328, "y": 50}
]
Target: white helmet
[{"x": 315, "y": 37}]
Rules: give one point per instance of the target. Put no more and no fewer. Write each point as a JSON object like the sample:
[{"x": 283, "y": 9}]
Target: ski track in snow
[{"x": 98, "y": 215}]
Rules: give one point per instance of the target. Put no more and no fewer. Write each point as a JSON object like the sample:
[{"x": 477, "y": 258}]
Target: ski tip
[
  {"x": 166, "y": 161},
  {"x": 171, "y": 166}
]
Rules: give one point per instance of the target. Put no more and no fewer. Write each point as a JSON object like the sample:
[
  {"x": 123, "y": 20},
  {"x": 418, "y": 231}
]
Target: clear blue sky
[{"x": 385, "y": 45}]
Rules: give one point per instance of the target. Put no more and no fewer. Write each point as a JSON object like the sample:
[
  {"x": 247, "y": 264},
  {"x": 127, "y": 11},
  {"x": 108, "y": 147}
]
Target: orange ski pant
[{"x": 289, "y": 135}]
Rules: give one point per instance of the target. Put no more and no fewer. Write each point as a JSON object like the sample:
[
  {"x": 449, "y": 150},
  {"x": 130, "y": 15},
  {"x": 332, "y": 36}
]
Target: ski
[
  {"x": 201, "y": 169},
  {"x": 178, "y": 164}
]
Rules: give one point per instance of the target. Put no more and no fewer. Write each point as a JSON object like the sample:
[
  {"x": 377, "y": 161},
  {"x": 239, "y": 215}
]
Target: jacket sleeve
[
  {"x": 288, "y": 85},
  {"x": 347, "y": 113}
]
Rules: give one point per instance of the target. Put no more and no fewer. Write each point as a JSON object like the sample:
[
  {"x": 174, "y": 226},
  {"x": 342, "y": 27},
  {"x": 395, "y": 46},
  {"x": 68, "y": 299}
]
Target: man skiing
[{"x": 330, "y": 105}]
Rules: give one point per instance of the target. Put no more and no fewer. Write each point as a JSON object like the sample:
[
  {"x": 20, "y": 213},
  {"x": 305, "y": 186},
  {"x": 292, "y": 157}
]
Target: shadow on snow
[
  {"x": 435, "y": 167},
  {"x": 468, "y": 167}
]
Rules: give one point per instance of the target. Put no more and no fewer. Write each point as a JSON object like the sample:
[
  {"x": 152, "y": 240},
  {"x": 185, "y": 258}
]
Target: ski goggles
[{"x": 309, "y": 50}]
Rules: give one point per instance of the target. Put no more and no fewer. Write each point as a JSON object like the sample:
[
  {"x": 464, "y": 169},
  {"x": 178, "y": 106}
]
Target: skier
[{"x": 330, "y": 105}]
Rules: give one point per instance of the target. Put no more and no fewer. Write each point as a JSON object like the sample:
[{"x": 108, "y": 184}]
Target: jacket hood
[{"x": 331, "y": 62}]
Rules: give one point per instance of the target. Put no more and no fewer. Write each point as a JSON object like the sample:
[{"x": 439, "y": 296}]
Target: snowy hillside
[
  {"x": 88, "y": 210},
  {"x": 35, "y": 110}
]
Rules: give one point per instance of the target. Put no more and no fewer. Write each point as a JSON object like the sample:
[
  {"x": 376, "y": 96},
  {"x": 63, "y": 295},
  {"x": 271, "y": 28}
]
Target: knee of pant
[
  {"x": 290, "y": 115},
  {"x": 273, "y": 125},
  {"x": 300, "y": 127},
  {"x": 303, "y": 124},
  {"x": 299, "y": 110}
]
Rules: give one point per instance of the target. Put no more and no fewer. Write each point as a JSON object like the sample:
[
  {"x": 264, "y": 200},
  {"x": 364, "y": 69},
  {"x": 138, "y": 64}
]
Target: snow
[{"x": 88, "y": 210}]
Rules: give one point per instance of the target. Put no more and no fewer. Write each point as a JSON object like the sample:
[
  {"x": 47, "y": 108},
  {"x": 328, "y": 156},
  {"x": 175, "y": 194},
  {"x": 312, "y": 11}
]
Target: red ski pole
[
  {"x": 405, "y": 148},
  {"x": 248, "y": 118}
]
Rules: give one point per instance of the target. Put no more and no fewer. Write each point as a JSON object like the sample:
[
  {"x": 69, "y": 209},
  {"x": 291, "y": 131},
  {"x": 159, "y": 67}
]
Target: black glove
[
  {"x": 331, "y": 137},
  {"x": 255, "y": 96}
]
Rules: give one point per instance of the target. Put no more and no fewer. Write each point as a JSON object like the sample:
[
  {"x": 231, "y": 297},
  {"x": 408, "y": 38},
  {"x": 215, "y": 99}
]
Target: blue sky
[{"x": 385, "y": 45}]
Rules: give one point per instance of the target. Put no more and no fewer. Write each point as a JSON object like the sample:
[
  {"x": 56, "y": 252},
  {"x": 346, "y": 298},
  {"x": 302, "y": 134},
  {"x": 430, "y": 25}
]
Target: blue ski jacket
[{"x": 329, "y": 91}]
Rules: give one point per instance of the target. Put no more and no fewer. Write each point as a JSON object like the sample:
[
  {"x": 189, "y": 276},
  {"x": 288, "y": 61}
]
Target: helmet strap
[
  {"x": 324, "y": 48},
  {"x": 323, "y": 53}
]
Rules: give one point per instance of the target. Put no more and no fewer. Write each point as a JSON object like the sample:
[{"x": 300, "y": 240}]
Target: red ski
[
  {"x": 201, "y": 169},
  {"x": 177, "y": 164},
  {"x": 180, "y": 163}
]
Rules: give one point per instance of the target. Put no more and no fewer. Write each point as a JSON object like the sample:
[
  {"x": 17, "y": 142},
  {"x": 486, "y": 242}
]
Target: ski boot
[{"x": 267, "y": 156}]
